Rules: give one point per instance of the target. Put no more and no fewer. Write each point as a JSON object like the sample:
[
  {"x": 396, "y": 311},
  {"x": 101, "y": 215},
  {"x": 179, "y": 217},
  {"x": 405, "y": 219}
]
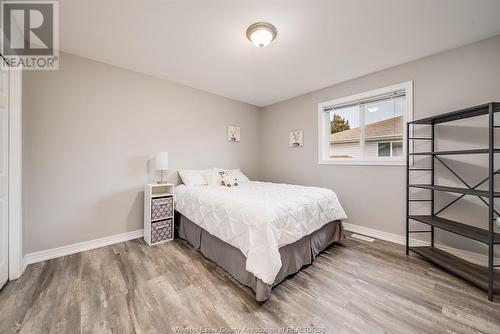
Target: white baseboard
[
  {"x": 114, "y": 239},
  {"x": 401, "y": 240},
  {"x": 80, "y": 247}
]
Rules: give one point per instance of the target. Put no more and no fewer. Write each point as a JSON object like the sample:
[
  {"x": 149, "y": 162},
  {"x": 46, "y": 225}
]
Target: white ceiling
[{"x": 202, "y": 44}]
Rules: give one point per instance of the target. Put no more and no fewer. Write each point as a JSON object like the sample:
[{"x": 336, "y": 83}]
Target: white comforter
[{"x": 259, "y": 217}]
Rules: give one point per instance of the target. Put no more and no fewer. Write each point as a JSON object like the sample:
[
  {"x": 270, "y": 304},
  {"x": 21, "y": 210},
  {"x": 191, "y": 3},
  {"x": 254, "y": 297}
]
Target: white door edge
[
  {"x": 4, "y": 174},
  {"x": 16, "y": 261}
]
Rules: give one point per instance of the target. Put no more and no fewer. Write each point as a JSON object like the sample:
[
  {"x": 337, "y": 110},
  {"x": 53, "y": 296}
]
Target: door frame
[{"x": 17, "y": 264}]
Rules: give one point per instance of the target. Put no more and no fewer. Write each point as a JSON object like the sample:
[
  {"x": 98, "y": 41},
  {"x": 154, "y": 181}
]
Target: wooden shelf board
[
  {"x": 473, "y": 273},
  {"x": 466, "y": 191},
  {"x": 465, "y": 230}
]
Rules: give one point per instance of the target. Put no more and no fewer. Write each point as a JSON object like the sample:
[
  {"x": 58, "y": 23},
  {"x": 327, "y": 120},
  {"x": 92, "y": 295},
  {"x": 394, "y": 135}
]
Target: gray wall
[
  {"x": 89, "y": 131},
  {"x": 374, "y": 196}
]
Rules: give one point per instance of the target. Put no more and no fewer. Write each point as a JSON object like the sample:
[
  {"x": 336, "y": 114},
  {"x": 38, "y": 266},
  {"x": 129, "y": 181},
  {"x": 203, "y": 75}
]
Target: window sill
[{"x": 400, "y": 163}]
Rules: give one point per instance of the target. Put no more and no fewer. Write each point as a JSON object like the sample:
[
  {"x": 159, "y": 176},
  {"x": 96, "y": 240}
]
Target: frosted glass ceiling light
[{"x": 261, "y": 34}]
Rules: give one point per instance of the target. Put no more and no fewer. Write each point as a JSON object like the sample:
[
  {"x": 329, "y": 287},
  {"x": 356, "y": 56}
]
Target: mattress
[{"x": 259, "y": 217}]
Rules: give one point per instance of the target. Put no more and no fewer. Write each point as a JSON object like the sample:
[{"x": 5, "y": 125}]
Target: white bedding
[{"x": 259, "y": 217}]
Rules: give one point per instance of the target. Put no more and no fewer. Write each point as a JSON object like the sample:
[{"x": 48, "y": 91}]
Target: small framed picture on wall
[
  {"x": 233, "y": 133},
  {"x": 297, "y": 138}
]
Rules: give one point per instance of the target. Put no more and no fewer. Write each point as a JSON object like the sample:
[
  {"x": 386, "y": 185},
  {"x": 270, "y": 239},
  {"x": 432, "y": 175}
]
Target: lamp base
[{"x": 161, "y": 180}]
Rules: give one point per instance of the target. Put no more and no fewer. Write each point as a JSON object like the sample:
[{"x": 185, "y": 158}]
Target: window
[
  {"x": 367, "y": 128},
  {"x": 390, "y": 149}
]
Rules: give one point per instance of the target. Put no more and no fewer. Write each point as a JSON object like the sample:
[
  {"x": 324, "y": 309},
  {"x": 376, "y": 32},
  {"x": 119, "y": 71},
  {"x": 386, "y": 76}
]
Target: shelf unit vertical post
[
  {"x": 491, "y": 206},
  {"x": 407, "y": 188},
  {"x": 433, "y": 174}
]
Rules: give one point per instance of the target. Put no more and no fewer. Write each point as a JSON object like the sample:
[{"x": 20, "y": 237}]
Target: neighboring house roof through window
[{"x": 388, "y": 128}]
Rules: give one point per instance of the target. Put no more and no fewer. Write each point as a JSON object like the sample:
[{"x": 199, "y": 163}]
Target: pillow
[
  {"x": 212, "y": 177},
  {"x": 238, "y": 174},
  {"x": 215, "y": 176},
  {"x": 193, "y": 177},
  {"x": 228, "y": 179},
  {"x": 225, "y": 177}
]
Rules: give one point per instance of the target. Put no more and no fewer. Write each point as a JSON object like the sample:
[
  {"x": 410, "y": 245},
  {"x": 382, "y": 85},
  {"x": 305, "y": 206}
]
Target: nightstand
[{"x": 158, "y": 213}]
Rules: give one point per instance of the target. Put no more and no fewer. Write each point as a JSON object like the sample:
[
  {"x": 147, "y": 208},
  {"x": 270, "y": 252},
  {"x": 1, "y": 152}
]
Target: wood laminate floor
[{"x": 353, "y": 287}]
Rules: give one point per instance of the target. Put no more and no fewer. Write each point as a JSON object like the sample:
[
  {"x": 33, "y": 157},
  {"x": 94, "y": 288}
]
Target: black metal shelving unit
[{"x": 486, "y": 278}]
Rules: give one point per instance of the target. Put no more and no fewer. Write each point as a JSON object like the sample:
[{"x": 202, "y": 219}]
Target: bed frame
[{"x": 231, "y": 259}]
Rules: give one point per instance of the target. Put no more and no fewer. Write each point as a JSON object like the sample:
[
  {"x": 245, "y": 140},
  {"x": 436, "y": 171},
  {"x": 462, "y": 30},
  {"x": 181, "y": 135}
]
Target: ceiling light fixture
[
  {"x": 372, "y": 109},
  {"x": 261, "y": 34}
]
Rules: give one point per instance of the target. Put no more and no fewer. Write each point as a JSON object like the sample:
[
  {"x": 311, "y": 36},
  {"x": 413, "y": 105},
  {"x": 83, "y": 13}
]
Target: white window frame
[
  {"x": 324, "y": 127},
  {"x": 390, "y": 142}
]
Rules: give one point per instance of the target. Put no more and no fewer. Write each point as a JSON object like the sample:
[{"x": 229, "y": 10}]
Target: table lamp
[{"x": 161, "y": 164}]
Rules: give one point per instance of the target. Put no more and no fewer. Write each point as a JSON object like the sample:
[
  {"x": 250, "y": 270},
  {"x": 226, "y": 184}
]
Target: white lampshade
[{"x": 161, "y": 161}]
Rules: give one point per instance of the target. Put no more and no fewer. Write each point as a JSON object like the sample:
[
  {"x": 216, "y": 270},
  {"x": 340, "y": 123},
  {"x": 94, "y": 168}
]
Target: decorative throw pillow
[
  {"x": 219, "y": 172},
  {"x": 228, "y": 179},
  {"x": 238, "y": 174}
]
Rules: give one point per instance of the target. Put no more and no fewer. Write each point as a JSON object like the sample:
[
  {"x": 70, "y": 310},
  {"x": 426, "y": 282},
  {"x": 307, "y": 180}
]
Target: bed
[{"x": 259, "y": 232}]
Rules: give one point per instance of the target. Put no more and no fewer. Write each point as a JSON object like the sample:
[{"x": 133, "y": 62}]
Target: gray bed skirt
[{"x": 232, "y": 260}]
